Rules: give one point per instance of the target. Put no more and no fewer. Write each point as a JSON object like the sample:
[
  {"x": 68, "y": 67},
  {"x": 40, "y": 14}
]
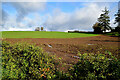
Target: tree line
[{"x": 103, "y": 22}]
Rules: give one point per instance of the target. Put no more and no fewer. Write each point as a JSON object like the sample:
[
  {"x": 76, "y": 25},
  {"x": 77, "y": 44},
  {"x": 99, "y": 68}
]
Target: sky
[{"x": 54, "y": 16}]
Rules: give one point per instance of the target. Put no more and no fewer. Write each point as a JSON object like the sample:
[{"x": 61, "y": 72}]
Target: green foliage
[
  {"x": 114, "y": 34},
  {"x": 117, "y": 18},
  {"x": 23, "y": 61},
  {"x": 96, "y": 67},
  {"x": 97, "y": 28},
  {"x": 104, "y": 20},
  {"x": 117, "y": 29}
]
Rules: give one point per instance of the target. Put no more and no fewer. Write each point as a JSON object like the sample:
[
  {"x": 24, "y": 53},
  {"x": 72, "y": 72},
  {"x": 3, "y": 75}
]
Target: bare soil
[{"x": 67, "y": 49}]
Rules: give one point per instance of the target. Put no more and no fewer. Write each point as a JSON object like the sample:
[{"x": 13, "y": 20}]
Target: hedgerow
[
  {"x": 96, "y": 67},
  {"x": 25, "y": 61}
]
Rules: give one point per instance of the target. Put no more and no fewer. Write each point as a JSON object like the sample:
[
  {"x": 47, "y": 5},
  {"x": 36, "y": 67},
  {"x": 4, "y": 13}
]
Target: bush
[
  {"x": 97, "y": 28},
  {"x": 96, "y": 67},
  {"x": 113, "y": 33},
  {"x": 37, "y": 29},
  {"x": 117, "y": 29},
  {"x": 23, "y": 61}
]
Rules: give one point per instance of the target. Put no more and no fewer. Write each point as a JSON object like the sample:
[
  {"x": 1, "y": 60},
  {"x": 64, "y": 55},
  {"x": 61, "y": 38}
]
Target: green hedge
[
  {"x": 113, "y": 34},
  {"x": 25, "y": 61},
  {"x": 96, "y": 67}
]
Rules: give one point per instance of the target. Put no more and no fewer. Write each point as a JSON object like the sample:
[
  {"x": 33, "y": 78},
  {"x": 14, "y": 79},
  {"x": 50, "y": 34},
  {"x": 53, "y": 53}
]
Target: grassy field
[
  {"x": 0, "y": 34},
  {"x": 39, "y": 34}
]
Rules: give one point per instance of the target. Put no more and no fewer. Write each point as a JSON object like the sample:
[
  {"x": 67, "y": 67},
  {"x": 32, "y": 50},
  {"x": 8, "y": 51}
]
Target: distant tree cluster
[
  {"x": 103, "y": 23},
  {"x": 38, "y": 29},
  {"x": 41, "y": 28}
]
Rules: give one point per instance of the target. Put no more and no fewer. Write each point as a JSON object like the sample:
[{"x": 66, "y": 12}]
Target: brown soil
[{"x": 67, "y": 49}]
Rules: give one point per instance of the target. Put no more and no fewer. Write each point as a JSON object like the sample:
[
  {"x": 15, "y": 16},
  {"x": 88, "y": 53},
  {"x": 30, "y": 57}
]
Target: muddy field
[{"x": 67, "y": 49}]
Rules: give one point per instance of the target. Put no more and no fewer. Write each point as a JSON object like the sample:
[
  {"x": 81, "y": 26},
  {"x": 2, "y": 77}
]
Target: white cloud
[
  {"x": 24, "y": 8},
  {"x": 112, "y": 23},
  {"x": 19, "y": 29},
  {"x": 80, "y": 19},
  {"x": 27, "y": 23},
  {"x": 36, "y": 21}
]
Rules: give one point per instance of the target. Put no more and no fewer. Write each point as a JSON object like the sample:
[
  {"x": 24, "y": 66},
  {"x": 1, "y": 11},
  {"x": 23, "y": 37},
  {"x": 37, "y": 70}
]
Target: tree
[
  {"x": 97, "y": 28},
  {"x": 104, "y": 20},
  {"x": 37, "y": 29},
  {"x": 117, "y": 20},
  {"x": 41, "y": 28}
]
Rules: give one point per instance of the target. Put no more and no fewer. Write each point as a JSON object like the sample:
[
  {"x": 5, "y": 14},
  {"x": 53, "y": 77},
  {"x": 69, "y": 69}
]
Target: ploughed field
[{"x": 67, "y": 49}]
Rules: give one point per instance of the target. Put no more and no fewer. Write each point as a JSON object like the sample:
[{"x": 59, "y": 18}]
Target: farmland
[
  {"x": 62, "y": 44},
  {"x": 43, "y": 34},
  {"x": 65, "y": 47}
]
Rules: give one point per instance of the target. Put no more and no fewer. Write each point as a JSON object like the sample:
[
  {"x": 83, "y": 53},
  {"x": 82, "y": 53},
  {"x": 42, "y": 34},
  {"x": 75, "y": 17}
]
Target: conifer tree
[
  {"x": 117, "y": 20},
  {"x": 104, "y": 20}
]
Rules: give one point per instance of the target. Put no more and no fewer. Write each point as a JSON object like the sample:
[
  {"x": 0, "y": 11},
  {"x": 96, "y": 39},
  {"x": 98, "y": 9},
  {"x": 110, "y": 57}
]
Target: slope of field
[
  {"x": 43, "y": 34},
  {"x": 0, "y": 34}
]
